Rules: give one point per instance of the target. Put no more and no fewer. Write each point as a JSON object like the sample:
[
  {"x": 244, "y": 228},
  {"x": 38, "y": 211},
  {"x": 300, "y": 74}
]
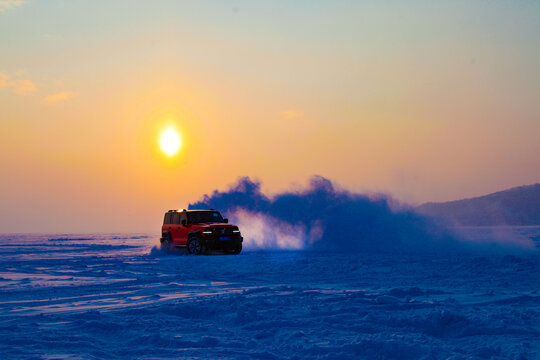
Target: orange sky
[{"x": 424, "y": 101}]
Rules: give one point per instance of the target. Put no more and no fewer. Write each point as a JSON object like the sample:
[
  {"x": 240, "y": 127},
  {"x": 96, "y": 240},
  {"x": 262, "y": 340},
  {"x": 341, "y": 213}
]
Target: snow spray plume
[{"x": 323, "y": 218}]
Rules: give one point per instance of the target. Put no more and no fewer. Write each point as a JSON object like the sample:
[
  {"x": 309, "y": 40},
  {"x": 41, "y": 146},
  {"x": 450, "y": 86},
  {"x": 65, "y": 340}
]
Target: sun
[{"x": 170, "y": 141}]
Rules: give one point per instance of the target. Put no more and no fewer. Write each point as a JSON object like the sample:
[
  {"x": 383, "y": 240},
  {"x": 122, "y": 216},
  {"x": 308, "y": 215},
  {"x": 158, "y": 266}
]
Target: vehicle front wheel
[
  {"x": 237, "y": 249},
  {"x": 195, "y": 246}
]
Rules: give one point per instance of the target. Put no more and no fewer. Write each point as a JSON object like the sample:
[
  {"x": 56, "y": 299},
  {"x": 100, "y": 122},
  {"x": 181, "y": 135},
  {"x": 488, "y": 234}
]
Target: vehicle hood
[{"x": 217, "y": 225}]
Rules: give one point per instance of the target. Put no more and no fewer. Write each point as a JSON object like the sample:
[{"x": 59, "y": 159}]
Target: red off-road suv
[{"x": 199, "y": 231}]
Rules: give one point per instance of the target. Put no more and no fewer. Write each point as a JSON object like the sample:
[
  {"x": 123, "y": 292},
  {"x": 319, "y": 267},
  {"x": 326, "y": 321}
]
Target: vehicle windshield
[{"x": 204, "y": 217}]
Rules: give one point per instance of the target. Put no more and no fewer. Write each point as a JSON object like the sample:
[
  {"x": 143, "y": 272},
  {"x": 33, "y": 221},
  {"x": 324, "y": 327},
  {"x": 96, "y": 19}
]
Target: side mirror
[
  {"x": 184, "y": 222},
  {"x": 226, "y": 221}
]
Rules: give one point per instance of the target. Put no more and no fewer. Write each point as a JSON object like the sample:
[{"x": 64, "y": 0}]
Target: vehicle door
[
  {"x": 167, "y": 223},
  {"x": 175, "y": 228},
  {"x": 183, "y": 230}
]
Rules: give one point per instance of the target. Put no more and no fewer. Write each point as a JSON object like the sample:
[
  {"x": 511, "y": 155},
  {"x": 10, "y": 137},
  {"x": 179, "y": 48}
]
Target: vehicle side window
[
  {"x": 176, "y": 218},
  {"x": 167, "y": 218},
  {"x": 183, "y": 217}
]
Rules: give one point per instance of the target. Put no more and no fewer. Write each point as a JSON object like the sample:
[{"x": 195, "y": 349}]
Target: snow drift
[{"x": 323, "y": 217}]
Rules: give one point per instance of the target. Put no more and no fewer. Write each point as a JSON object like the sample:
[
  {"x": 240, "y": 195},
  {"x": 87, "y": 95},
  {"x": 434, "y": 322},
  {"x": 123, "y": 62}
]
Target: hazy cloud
[
  {"x": 4, "y": 81},
  {"x": 9, "y": 4},
  {"x": 58, "y": 97},
  {"x": 17, "y": 86},
  {"x": 23, "y": 87}
]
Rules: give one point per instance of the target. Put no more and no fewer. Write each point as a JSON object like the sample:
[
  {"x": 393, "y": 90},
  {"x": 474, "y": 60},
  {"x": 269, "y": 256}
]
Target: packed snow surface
[{"x": 117, "y": 296}]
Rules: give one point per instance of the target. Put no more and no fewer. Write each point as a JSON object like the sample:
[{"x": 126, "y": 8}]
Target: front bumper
[{"x": 220, "y": 242}]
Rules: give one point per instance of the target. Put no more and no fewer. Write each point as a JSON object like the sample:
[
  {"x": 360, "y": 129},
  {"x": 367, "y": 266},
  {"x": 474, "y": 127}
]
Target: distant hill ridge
[{"x": 515, "y": 206}]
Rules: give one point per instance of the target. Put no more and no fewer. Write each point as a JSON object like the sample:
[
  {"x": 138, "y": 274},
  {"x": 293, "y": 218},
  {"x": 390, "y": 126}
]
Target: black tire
[
  {"x": 237, "y": 249},
  {"x": 195, "y": 246},
  {"x": 165, "y": 236},
  {"x": 166, "y": 242}
]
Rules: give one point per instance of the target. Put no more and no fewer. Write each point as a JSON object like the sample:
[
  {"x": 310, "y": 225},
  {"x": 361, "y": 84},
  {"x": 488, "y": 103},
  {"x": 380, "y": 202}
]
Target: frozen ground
[{"x": 113, "y": 297}]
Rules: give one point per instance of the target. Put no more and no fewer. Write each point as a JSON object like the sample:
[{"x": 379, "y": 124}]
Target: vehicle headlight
[
  {"x": 207, "y": 232},
  {"x": 236, "y": 231}
]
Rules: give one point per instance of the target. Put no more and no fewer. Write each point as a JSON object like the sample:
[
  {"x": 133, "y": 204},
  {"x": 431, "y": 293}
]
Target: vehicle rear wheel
[
  {"x": 166, "y": 242},
  {"x": 195, "y": 246}
]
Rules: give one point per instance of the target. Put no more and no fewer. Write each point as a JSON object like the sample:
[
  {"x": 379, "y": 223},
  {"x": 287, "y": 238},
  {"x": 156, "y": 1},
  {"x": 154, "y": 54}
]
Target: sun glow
[{"x": 170, "y": 141}]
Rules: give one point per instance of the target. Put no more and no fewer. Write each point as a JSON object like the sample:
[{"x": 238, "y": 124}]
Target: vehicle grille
[{"x": 222, "y": 231}]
